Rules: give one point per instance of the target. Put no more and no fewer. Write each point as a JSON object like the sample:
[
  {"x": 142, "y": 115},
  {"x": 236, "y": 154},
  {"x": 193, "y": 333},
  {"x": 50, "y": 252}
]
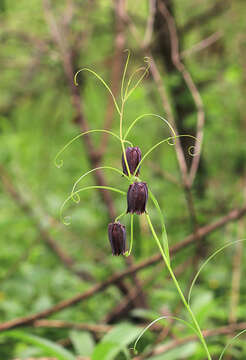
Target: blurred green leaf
[
  {"x": 115, "y": 341},
  {"x": 83, "y": 342},
  {"x": 49, "y": 347}
]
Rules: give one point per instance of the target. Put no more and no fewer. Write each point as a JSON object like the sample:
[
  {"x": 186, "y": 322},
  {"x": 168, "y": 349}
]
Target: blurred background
[{"x": 87, "y": 304}]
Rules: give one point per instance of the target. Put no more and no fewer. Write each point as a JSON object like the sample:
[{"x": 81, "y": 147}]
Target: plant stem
[
  {"x": 120, "y": 216},
  {"x": 179, "y": 289},
  {"x": 121, "y": 138},
  {"x": 131, "y": 241},
  {"x": 164, "y": 232}
]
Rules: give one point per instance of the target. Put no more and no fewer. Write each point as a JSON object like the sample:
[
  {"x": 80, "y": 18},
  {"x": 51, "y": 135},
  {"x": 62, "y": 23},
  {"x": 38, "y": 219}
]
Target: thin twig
[
  {"x": 93, "y": 328},
  {"x": 150, "y": 24},
  {"x": 203, "y": 44}
]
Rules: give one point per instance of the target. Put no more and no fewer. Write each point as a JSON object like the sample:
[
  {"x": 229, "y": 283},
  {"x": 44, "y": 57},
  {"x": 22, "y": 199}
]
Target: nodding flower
[
  {"x": 137, "y": 197},
  {"x": 133, "y": 157},
  {"x": 117, "y": 238}
]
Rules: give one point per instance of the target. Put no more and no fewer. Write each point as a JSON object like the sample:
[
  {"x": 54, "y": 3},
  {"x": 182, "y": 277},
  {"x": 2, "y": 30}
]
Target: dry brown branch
[
  {"x": 117, "y": 63},
  {"x": 191, "y": 86},
  {"x": 93, "y": 328},
  {"x": 150, "y": 24},
  {"x": 97, "y": 329},
  {"x": 201, "y": 233},
  {"x": 203, "y": 44}
]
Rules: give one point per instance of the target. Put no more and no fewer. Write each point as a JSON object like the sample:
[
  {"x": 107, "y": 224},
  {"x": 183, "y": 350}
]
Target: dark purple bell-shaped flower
[
  {"x": 117, "y": 238},
  {"x": 133, "y": 157},
  {"x": 137, "y": 197}
]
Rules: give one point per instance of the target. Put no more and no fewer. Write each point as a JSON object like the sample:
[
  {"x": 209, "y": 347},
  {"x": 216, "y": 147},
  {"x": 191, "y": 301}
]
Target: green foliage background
[{"x": 37, "y": 120}]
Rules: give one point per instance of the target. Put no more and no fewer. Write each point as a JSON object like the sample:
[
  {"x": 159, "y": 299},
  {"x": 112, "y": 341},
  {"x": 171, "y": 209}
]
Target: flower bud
[
  {"x": 133, "y": 157},
  {"x": 117, "y": 238},
  {"x": 137, "y": 197}
]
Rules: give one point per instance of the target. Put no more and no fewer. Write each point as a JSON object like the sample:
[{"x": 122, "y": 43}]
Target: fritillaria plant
[{"x": 138, "y": 192}]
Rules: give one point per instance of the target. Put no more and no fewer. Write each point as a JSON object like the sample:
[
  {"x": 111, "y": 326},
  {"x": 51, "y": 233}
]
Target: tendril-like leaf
[
  {"x": 206, "y": 261},
  {"x": 124, "y": 75},
  {"x": 144, "y": 115},
  {"x": 158, "y": 144},
  {"x": 191, "y": 150},
  {"x": 59, "y": 163},
  {"x": 156, "y": 320},
  {"x": 102, "y": 81},
  {"x": 76, "y": 198},
  {"x": 64, "y": 219},
  {"x": 131, "y": 78},
  {"x": 230, "y": 342},
  {"x": 146, "y": 71}
]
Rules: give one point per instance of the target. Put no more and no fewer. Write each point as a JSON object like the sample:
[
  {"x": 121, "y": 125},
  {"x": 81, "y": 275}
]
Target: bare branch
[
  {"x": 150, "y": 24},
  {"x": 203, "y": 44}
]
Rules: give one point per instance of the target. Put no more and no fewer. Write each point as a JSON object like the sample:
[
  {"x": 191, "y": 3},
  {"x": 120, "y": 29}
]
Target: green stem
[
  {"x": 120, "y": 216},
  {"x": 127, "y": 253},
  {"x": 122, "y": 140},
  {"x": 164, "y": 232},
  {"x": 179, "y": 289}
]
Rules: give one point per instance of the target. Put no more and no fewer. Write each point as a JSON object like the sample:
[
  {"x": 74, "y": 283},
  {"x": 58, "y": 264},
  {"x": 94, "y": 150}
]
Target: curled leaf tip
[
  {"x": 172, "y": 141},
  {"x": 58, "y": 163},
  {"x": 75, "y": 77},
  {"x": 75, "y": 198},
  {"x": 135, "y": 352},
  {"x": 192, "y": 151},
  {"x": 66, "y": 220}
]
